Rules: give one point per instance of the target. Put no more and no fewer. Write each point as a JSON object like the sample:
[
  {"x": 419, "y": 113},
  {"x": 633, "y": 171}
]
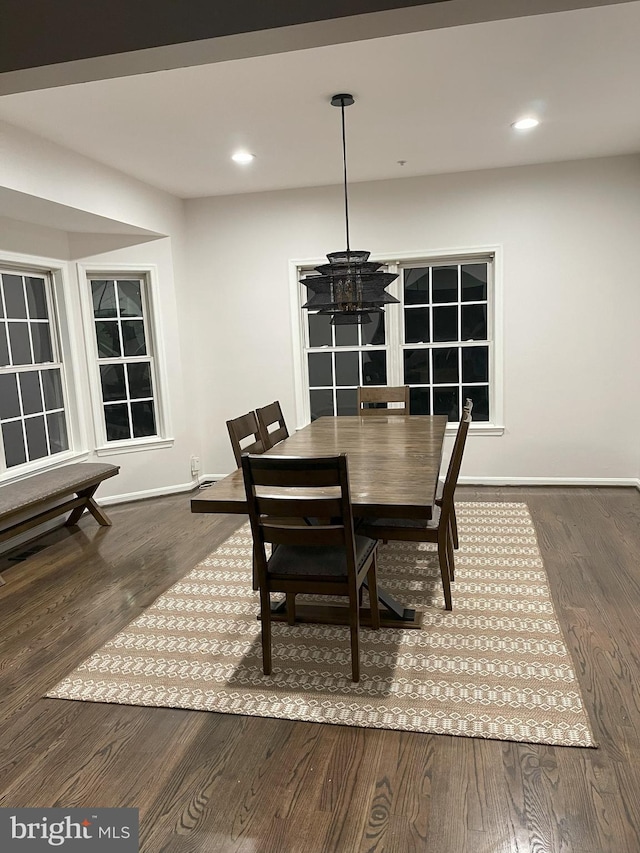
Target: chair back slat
[
  {"x": 243, "y": 428},
  {"x": 371, "y": 398},
  {"x": 268, "y": 416},
  {"x": 299, "y": 506},
  {"x": 306, "y": 535}
]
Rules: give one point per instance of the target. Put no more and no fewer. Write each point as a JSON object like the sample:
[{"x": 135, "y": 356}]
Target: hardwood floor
[{"x": 208, "y": 782}]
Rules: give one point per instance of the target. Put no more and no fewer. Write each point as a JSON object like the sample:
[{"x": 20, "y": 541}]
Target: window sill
[
  {"x": 116, "y": 448},
  {"x": 477, "y": 429},
  {"x": 48, "y": 463}
]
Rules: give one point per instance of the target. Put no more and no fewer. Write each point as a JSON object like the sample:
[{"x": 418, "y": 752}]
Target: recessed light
[
  {"x": 243, "y": 157},
  {"x": 525, "y": 123}
]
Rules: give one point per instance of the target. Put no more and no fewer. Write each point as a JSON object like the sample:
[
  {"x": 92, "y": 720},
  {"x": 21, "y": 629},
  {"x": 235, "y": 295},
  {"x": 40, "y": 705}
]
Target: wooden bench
[{"x": 38, "y": 498}]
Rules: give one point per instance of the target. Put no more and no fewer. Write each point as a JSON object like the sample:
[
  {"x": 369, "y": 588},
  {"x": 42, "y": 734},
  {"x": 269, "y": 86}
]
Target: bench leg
[{"x": 100, "y": 516}]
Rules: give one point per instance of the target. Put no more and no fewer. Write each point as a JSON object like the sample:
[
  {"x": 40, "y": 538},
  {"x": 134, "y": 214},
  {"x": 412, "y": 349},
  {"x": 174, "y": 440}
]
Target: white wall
[
  {"x": 569, "y": 234},
  {"x": 63, "y": 190}
]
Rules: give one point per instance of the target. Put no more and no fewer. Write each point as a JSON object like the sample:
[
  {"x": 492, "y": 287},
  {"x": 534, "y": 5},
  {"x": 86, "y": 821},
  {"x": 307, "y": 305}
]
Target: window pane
[
  {"x": 445, "y": 324},
  {"x": 58, "y": 439},
  {"x": 41, "y": 336},
  {"x": 480, "y": 396},
  {"x": 346, "y": 336},
  {"x": 321, "y": 403},
  {"x": 9, "y": 400},
  {"x": 36, "y": 298},
  {"x": 52, "y": 387},
  {"x": 419, "y": 401},
  {"x": 416, "y": 326},
  {"x": 144, "y": 422},
  {"x": 416, "y": 367},
  {"x": 347, "y": 401},
  {"x": 474, "y": 323},
  {"x": 374, "y": 368},
  {"x": 319, "y": 330},
  {"x": 108, "y": 339},
  {"x": 445, "y": 402},
  {"x": 104, "y": 298},
  {"x": 36, "y": 437},
  {"x": 130, "y": 298},
  {"x": 347, "y": 372},
  {"x": 139, "y": 379},
  {"x": 320, "y": 369},
  {"x": 475, "y": 364},
  {"x": 373, "y": 332},
  {"x": 14, "y": 297},
  {"x": 112, "y": 379},
  {"x": 416, "y": 286},
  {"x": 13, "y": 439},
  {"x": 445, "y": 284},
  {"x": 117, "y": 422},
  {"x": 4, "y": 346},
  {"x": 19, "y": 342},
  {"x": 445, "y": 365},
  {"x": 474, "y": 282},
  {"x": 30, "y": 390},
  {"x": 133, "y": 337}
]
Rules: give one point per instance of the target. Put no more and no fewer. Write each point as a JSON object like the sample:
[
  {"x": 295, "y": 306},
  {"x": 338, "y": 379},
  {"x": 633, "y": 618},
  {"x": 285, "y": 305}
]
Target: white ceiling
[{"x": 442, "y": 100}]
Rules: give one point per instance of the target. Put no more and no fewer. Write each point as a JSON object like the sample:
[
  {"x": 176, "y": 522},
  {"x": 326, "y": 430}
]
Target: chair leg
[
  {"x": 450, "y": 562},
  {"x": 265, "y": 623},
  {"x": 373, "y": 595},
  {"x": 443, "y": 537},
  {"x": 453, "y": 521},
  {"x": 254, "y": 569},
  {"x": 291, "y": 608},
  {"x": 354, "y": 622}
]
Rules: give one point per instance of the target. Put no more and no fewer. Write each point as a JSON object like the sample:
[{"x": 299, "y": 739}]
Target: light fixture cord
[{"x": 344, "y": 160}]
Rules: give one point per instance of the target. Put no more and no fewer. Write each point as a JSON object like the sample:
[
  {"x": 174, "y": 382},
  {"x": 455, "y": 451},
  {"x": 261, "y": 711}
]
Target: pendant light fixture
[{"x": 350, "y": 287}]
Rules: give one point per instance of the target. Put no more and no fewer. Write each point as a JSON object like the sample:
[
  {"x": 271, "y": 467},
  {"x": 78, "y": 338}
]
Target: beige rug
[{"x": 495, "y": 667}]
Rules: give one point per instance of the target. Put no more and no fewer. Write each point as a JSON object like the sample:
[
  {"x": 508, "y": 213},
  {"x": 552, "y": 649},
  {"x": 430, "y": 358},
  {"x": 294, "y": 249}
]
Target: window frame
[
  {"x": 394, "y": 324},
  {"x": 63, "y": 318},
  {"x": 153, "y": 328}
]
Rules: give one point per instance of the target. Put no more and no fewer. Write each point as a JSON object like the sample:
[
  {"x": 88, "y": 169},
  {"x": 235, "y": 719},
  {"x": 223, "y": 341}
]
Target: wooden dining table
[{"x": 393, "y": 460}]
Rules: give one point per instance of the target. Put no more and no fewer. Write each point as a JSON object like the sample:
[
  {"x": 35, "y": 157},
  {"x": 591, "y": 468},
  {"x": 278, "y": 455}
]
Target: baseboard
[
  {"x": 549, "y": 481},
  {"x": 638, "y": 484},
  {"x": 148, "y": 493}
]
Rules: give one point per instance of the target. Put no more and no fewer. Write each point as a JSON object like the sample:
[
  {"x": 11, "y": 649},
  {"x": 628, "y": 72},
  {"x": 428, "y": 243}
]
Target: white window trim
[
  {"x": 66, "y": 319},
  {"x": 161, "y": 395},
  {"x": 496, "y": 377}
]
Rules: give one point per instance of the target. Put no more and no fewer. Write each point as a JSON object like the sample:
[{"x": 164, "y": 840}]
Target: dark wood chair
[
  {"x": 437, "y": 529},
  {"x": 453, "y": 521},
  {"x": 268, "y": 416},
  {"x": 325, "y": 558},
  {"x": 245, "y": 427},
  {"x": 372, "y": 398}
]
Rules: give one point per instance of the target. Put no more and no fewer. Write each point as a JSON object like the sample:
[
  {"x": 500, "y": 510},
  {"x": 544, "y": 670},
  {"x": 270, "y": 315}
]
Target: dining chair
[
  {"x": 246, "y": 426},
  {"x": 267, "y": 417},
  {"x": 438, "y": 528},
  {"x": 371, "y": 398},
  {"x": 325, "y": 558}
]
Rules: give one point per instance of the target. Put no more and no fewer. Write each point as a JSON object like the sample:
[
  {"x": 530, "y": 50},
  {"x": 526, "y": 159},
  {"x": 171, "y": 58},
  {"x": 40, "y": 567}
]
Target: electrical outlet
[{"x": 195, "y": 465}]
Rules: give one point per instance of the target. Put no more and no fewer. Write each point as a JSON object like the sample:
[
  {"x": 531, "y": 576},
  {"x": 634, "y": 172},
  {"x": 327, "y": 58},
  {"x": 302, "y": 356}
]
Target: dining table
[{"x": 394, "y": 463}]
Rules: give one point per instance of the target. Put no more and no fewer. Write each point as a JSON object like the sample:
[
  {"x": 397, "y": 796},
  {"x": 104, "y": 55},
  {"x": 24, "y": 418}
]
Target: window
[
  {"x": 33, "y": 414},
  {"x": 439, "y": 340},
  {"x": 125, "y": 357},
  {"x": 446, "y": 346}
]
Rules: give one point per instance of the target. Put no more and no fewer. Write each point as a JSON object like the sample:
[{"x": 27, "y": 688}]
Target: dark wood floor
[{"x": 209, "y": 782}]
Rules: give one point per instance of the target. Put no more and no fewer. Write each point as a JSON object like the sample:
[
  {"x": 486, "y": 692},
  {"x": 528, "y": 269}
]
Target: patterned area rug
[{"x": 495, "y": 667}]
